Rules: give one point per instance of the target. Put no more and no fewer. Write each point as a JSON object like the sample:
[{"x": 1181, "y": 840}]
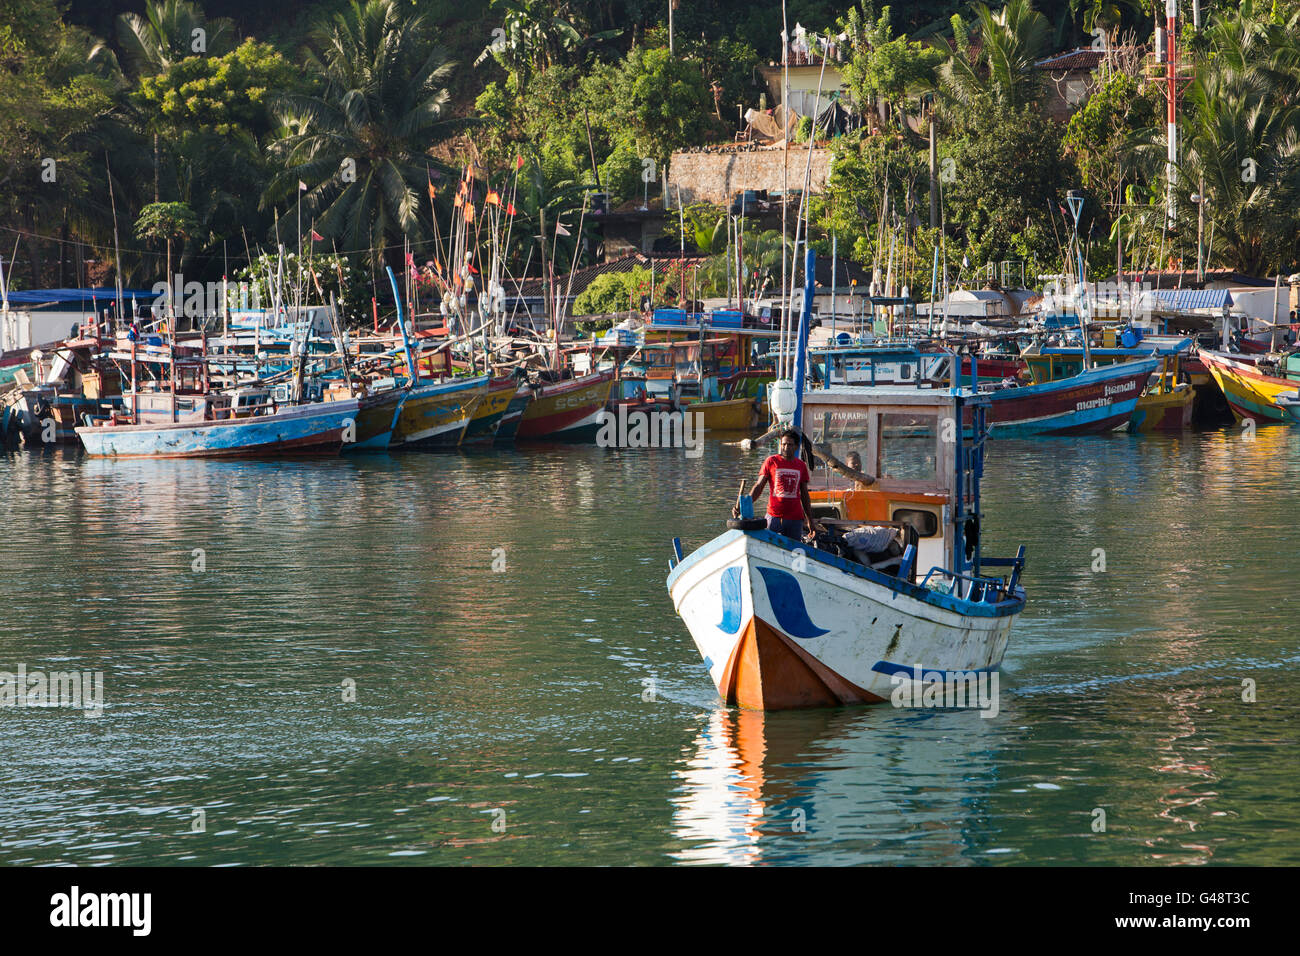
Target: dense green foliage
[
  {"x": 613, "y": 292},
  {"x": 224, "y": 111}
]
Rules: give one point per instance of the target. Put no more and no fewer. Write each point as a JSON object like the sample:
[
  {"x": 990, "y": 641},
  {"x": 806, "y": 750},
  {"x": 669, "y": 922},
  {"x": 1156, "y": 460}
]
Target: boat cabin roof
[
  {"x": 868, "y": 395},
  {"x": 1146, "y": 349}
]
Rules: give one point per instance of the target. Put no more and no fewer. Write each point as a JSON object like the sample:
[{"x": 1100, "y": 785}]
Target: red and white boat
[{"x": 566, "y": 411}]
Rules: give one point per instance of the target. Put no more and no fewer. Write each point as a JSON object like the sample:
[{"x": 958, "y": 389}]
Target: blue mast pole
[
  {"x": 801, "y": 349},
  {"x": 401, "y": 324}
]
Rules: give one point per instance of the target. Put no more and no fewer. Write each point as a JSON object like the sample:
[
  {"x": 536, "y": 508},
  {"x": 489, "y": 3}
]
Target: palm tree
[
  {"x": 1259, "y": 51},
  {"x": 1246, "y": 149},
  {"x": 362, "y": 144},
  {"x": 170, "y": 31},
  {"x": 534, "y": 35},
  {"x": 1001, "y": 66},
  {"x": 1241, "y": 140}
]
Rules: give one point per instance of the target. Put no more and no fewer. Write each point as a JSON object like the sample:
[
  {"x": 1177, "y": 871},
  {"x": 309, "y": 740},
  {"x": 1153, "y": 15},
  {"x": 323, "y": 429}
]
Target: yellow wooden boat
[
  {"x": 435, "y": 414},
  {"x": 1166, "y": 405},
  {"x": 732, "y": 414},
  {"x": 1251, "y": 393}
]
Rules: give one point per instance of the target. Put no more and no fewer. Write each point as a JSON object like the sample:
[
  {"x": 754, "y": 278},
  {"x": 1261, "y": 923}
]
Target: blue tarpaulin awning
[{"x": 73, "y": 299}]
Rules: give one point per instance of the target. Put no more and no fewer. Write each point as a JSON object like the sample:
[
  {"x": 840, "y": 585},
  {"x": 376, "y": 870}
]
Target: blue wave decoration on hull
[
  {"x": 786, "y": 598},
  {"x": 731, "y": 601},
  {"x": 915, "y": 672}
]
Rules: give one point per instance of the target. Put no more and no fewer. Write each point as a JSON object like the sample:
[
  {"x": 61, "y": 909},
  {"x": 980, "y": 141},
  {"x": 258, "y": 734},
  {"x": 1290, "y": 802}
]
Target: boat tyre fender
[
  {"x": 9, "y": 434},
  {"x": 972, "y": 534},
  {"x": 746, "y": 524}
]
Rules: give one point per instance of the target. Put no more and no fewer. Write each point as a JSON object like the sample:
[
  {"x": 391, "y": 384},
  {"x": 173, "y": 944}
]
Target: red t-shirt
[{"x": 785, "y": 476}]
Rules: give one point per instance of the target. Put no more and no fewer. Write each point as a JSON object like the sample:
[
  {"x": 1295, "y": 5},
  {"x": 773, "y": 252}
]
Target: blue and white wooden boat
[
  {"x": 782, "y": 625},
  {"x": 209, "y": 431}
]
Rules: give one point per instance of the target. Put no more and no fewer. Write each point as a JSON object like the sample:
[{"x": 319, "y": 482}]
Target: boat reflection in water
[{"x": 839, "y": 786}]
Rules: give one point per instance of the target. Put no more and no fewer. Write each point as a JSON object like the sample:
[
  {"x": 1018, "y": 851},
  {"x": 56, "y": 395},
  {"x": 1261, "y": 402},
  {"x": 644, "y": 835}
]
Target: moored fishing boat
[
  {"x": 436, "y": 414},
  {"x": 1166, "y": 400},
  {"x": 567, "y": 410},
  {"x": 376, "y": 415},
  {"x": 730, "y": 414},
  {"x": 1253, "y": 388},
  {"x": 514, "y": 414},
  {"x": 1063, "y": 402},
  {"x": 491, "y": 409},
  {"x": 206, "y": 429},
  {"x": 1096, "y": 400},
  {"x": 1165, "y": 406},
  {"x": 72, "y": 382},
  {"x": 1289, "y": 402}
]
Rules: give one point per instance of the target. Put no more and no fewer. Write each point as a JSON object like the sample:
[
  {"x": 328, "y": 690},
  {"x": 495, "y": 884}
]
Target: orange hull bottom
[{"x": 768, "y": 671}]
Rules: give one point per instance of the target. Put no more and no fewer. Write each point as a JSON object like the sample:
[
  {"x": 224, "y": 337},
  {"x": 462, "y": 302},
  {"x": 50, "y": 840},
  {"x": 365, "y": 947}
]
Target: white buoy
[{"x": 782, "y": 400}]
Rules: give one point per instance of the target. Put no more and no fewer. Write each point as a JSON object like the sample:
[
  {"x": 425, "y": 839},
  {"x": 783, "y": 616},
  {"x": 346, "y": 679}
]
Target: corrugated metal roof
[
  {"x": 1078, "y": 59},
  {"x": 1187, "y": 299}
]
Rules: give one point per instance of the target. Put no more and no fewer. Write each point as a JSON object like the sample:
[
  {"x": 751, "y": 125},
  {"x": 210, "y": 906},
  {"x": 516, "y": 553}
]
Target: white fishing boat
[{"x": 896, "y": 594}]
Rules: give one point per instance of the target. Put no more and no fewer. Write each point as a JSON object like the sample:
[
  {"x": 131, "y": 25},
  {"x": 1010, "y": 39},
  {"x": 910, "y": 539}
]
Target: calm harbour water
[{"x": 522, "y": 697}]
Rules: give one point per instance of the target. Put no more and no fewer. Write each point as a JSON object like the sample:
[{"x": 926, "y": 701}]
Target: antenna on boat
[
  {"x": 1075, "y": 199},
  {"x": 117, "y": 256}
]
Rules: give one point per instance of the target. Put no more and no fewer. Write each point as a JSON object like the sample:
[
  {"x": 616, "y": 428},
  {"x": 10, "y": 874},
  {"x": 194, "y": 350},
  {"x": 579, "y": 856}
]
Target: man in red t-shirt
[{"x": 788, "y": 506}]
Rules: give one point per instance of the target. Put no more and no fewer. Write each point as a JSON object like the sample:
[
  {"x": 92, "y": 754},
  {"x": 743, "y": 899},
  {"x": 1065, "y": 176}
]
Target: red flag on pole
[
  {"x": 316, "y": 236},
  {"x": 469, "y": 212},
  {"x": 491, "y": 199},
  {"x": 510, "y": 209},
  {"x": 519, "y": 162}
]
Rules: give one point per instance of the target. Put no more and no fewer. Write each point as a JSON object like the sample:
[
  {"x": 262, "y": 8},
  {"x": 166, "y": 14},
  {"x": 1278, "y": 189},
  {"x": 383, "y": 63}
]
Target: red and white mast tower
[{"x": 1171, "y": 117}]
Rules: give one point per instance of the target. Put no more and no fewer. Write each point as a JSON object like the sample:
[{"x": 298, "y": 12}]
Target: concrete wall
[{"x": 716, "y": 177}]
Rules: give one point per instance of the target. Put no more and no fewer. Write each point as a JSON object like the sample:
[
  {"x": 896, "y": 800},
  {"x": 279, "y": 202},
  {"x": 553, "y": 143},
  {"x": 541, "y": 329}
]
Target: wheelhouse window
[
  {"x": 909, "y": 446},
  {"x": 843, "y": 432}
]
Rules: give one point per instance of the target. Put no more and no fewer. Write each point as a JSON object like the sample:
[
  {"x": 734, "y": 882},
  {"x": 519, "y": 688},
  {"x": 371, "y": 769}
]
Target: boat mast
[
  {"x": 117, "y": 256},
  {"x": 1171, "y": 118},
  {"x": 801, "y": 346},
  {"x": 413, "y": 373}
]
